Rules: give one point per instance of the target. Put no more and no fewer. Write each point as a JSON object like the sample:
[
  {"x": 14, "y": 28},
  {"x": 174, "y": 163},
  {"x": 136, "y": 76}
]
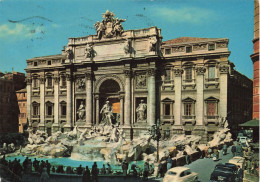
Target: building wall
[
  {"x": 184, "y": 82},
  {"x": 8, "y": 102},
  {"x": 22, "y": 103},
  {"x": 255, "y": 59}
]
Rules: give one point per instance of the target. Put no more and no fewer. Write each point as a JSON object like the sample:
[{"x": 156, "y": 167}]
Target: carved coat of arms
[{"x": 109, "y": 26}]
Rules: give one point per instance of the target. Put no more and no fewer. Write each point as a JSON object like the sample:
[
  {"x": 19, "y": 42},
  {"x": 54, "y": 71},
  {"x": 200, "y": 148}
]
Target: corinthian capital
[
  {"x": 200, "y": 70},
  {"x": 177, "y": 72},
  {"x": 151, "y": 72},
  {"x": 127, "y": 73},
  {"x": 223, "y": 69},
  {"x": 42, "y": 80}
]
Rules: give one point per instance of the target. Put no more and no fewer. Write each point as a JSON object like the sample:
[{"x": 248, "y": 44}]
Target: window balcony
[
  {"x": 167, "y": 119},
  {"x": 35, "y": 116},
  {"x": 49, "y": 116},
  {"x": 211, "y": 119},
  {"x": 189, "y": 119},
  {"x": 62, "y": 116},
  {"x": 168, "y": 83},
  {"x": 189, "y": 83},
  {"x": 211, "y": 82}
]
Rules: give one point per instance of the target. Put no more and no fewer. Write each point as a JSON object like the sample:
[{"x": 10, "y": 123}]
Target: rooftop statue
[{"x": 109, "y": 26}]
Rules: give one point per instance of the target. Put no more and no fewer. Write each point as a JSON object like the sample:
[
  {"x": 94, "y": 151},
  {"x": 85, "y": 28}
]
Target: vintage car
[
  {"x": 238, "y": 161},
  {"x": 224, "y": 172},
  {"x": 180, "y": 174}
]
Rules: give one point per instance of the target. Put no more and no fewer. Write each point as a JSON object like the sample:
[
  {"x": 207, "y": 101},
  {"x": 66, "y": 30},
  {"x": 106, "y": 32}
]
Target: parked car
[
  {"x": 237, "y": 161},
  {"x": 180, "y": 174},
  {"x": 224, "y": 172}
]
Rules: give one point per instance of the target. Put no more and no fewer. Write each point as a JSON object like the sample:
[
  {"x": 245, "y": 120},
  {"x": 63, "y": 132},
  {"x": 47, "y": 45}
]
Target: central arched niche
[
  {"x": 109, "y": 91},
  {"x": 109, "y": 87}
]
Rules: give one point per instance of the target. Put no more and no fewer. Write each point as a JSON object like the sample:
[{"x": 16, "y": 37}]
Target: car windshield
[
  {"x": 224, "y": 169},
  {"x": 172, "y": 173}
]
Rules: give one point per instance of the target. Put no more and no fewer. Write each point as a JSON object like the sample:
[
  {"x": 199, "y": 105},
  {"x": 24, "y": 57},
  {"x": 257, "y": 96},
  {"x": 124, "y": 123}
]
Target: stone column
[
  {"x": 29, "y": 100},
  {"x": 42, "y": 101},
  {"x": 178, "y": 103},
  {"x": 97, "y": 109},
  {"x": 200, "y": 96},
  {"x": 56, "y": 101},
  {"x": 69, "y": 102},
  {"x": 127, "y": 115},
  {"x": 121, "y": 109},
  {"x": 88, "y": 99},
  {"x": 223, "y": 85},
  {"x": 151, "y": 112}
]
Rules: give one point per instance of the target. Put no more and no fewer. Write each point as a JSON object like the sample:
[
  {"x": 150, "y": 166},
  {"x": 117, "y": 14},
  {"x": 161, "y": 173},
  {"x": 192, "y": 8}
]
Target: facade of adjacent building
[
  {"x": 184, "y": 83},
  {"x": 9, "y": 110},
  {"x": 22, "y": 104},
  {"x": 255, "y": 59}
]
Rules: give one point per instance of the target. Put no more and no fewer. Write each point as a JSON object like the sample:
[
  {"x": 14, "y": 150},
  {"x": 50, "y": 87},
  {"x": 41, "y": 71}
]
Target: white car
[
  {"x": 237, "y": 161},
  {"x": 180, "y": 174}
]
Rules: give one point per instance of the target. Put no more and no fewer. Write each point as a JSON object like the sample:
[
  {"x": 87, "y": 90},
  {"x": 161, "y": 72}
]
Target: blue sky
[{"x": 32, "y": 28}]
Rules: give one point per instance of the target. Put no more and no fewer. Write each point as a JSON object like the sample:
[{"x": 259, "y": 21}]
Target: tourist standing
[
  {"x": 109, "y": 168},
  {"x": 86, "y": 175},
  {"x": 79, "y": 170},
  {"x": 133, "y": 168},
  {"x": 169, "y": 163},
  {"x": 94, "y": 172},
  {"x": 159, "y": 171},
  {"x": 186, "y": 157},
  {"x": 125, "y": 167}
]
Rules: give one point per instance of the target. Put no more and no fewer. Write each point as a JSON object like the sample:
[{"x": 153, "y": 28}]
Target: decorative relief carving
[
  {"x": 80, "y": 84},
  {"x": 198, "y": 47},
  {"x": 223, "y": 69},
  {"x": 178, "y": 49},
  {"x": 89, "y": 51},
  {"x": 56, "y": 79},
  {"x": 127, "y": 47},
  {"x": 152, "y": 46},
  {"x": 127, "y": 73},
  {"x": 109, "y": 26},
  {"x": 88, "y": 76},
  {"x": 69, "y": 77},
  {"x": 221, "y": 45},
  {"x": 30, "y": 63},
  {"x": 69, "y": 53},
  {"x": 141, "y": 81},
  {"x": 29, "y": 81},
  {"x": 178, "y": 72},
  {"x": 42, "y": 80},
  {"x": 200, "y": 70},
  {"x": 151, "y": 72},
  {"x": 42, "y": 62}
]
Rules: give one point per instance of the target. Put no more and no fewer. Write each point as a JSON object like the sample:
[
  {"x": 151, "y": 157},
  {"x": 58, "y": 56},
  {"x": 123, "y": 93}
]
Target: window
[
  {"x": 49, "y": 82},
  {"x": 188, "y": 49},
  {"x": 211, "y": 107},
  {"x": 35, "y": 109},
  {"x": 167, "y": 75},
  {"x": 189, "y": 107},
  {"x": 63, "y": 110},
  {"x": 49, "y": 107},
  {"x": 188, "y": 74},
  {"x": 167, "y": 109},
  {"x": 35, "y": 83},
  {"x": 63, "y": 81},
  {"x": 211, "y": 72},
  {"x": 211, "y": 47},
  {"x": 49, "y": 62},
  {"x": 167, "y": 51},
  {"x": 35, "y": 64}
]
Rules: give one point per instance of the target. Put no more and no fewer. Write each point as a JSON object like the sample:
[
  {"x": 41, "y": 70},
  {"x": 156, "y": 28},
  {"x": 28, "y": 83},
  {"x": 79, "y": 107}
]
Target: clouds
[
  {"x": 192, "y": 15},
  {"x": 14, "y": 31}
]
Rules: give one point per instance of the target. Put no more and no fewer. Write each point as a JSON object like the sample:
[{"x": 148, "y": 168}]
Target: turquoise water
[{"x": 65, "y": 161}]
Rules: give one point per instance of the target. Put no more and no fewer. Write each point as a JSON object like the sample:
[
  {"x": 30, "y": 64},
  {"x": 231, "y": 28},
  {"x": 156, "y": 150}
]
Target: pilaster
[
  {"x": 127, "y": 115},
  {"x": 151, "y": 110},
  {"x": 29, "y": 99},
  {"x": 200, "y": 95},
  {"x": 69, "y": 102},
  {"x": 56, "y": 101},
  {"x": 97, "y": 109},
  {"x": 88, "y": 99},
  {"x": 224, "y": 70},
  {"x": 42, "y": 101},
  {"x": 178, "y": 104}
]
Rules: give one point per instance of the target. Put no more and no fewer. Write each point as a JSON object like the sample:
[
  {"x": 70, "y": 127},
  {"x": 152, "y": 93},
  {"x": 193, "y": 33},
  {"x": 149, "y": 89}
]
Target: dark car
[{"x": 224, "y": 172}]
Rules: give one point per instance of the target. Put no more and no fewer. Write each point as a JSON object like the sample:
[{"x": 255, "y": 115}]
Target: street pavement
[{"x": 204, "y": 167}]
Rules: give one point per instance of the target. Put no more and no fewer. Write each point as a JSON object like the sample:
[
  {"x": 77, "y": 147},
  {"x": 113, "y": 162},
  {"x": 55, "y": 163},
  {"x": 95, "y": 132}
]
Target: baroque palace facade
[{"x": 133, "y": 79}]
